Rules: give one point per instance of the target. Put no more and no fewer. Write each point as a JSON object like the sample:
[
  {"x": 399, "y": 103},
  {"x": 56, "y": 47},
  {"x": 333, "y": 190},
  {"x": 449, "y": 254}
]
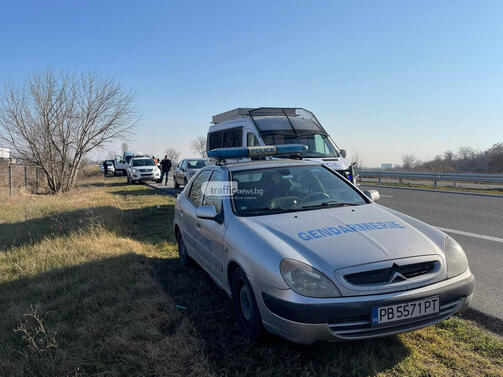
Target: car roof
[
  {"x": 141, "y": 158},
  {"x": 263, "y": 164}
]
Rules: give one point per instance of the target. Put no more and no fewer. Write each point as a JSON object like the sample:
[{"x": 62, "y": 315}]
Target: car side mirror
[
  {"x": 343, "y": 153},
  {"x": 206, "y": 212},
  {"x": 372, "y": 194}
]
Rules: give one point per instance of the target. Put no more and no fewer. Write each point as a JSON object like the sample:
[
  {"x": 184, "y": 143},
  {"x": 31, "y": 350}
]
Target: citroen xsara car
[{"x": 306, "y": 255}]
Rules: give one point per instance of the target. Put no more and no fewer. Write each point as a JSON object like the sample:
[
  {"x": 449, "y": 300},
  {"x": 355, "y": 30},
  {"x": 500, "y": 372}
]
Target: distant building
[
  {"x": 4, "y": 153},
  {"x": 386, "y": 166}
]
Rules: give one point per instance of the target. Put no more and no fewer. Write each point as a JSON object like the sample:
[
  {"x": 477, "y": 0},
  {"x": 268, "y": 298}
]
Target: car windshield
[
  {"x": 290, "y": 189},
  {"x": 318, "y": 146},
  {"x": 294, "y": 126},
  {"x": 196, "y": 164},
  {"x": 143, "y": 162}
]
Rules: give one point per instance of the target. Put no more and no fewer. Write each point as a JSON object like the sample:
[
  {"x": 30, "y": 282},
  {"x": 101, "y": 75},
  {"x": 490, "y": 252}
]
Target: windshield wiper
[{"x": 331, "y": 203}]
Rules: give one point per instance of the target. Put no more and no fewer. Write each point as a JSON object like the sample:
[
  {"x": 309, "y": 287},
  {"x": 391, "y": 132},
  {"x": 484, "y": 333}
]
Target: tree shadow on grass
[
  {"x": 118, "y": 316},
  {"x": 103, "y": 184},
  {"x": 151, "y": 224}
]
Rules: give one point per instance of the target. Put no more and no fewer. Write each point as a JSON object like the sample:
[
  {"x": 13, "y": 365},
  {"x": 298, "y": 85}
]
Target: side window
[
  {"x": 196, "y": 195},
  {"x": 233, "y": 137},
  {"x": 251, "y": 140},
  {"x": 214, "y": 199},
  {"x": 215, "y": 140}
]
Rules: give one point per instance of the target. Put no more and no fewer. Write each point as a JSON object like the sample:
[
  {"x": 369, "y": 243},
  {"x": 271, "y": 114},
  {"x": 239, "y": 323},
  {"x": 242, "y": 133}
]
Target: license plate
[{"x": 405, "y": 310}]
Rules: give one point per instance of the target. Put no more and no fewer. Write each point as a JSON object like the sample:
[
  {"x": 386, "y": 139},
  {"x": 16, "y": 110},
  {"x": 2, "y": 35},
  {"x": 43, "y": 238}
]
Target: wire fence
[{"x": 17, "y": 176}]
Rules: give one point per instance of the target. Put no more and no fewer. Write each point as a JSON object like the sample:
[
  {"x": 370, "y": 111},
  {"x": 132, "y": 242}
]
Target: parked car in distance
[
  {"x": 142, "y": 168},
  {"x": 110, "y": 167},
  {"x": 306, "y": 255},
  {"x": 186, "y": 169}
]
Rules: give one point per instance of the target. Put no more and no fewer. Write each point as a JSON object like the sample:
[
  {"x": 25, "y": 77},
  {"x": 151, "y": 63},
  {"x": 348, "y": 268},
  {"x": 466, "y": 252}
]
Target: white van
[{"x": 246, "y": 127}]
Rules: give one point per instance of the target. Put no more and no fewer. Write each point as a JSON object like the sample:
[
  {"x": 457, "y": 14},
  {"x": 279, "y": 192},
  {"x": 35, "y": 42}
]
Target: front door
[{"x": 212, "y": 232}]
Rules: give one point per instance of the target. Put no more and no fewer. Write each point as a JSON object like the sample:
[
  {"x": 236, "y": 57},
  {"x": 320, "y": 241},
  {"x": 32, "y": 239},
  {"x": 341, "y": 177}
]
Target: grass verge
[{"x": 89, "y": 284}]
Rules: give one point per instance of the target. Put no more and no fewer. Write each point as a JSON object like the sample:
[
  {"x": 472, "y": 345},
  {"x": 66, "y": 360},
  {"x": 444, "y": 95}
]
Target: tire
[
  {"x": 185, "y": 182},
  {"x": 129, "y": 179},
  {"x": 184, "y": 257},
  {"x": 245, "y": 307},
  {"x": 176, "y": 183}
]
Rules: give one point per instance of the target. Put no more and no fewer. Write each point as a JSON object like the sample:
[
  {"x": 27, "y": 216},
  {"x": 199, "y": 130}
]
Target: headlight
[
  {"x": 133, "y": 170},
  {"x": 306, "y": 280},
  {"x": 457, "y": 263}
]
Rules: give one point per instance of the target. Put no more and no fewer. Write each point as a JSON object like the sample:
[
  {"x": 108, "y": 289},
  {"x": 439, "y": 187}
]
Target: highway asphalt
[{"x": 476, "y": 222}]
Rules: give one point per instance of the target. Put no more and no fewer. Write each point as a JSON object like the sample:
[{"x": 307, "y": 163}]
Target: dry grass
[{"x": 89, "y": 283}]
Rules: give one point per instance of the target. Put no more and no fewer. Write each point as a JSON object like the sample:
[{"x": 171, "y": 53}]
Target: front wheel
[
  {"x": 182, "y": 251},
  {"x": 176, "y": 183},
  {"x": 245, "y": 306}
]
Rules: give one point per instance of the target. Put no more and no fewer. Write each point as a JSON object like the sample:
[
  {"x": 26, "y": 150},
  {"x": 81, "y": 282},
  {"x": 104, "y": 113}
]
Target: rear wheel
[{"x": 245, "y": 306}]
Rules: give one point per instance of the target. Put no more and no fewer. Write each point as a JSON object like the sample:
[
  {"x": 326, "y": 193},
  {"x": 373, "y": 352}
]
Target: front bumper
[
  {"x": 306, "y": 320},
  {"x": 145, "y": 177}
]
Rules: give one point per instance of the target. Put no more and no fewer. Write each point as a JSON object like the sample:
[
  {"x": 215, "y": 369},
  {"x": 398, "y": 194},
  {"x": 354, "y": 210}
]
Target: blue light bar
[{"x": 260, "y": 151}]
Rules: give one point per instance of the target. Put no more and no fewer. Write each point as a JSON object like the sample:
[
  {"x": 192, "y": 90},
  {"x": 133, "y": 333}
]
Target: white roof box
[{"x": 231, "y": 114}]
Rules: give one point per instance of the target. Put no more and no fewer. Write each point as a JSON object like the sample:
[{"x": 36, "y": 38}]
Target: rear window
[{"x": 196, "y": 164}]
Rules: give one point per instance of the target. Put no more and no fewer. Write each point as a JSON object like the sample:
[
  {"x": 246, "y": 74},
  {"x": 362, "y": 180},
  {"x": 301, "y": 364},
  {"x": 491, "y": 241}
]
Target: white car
[
  {"x": 142, "y": 169},
  {"x": 110, "y": 167},
  {"x": 186, "y": 169}
]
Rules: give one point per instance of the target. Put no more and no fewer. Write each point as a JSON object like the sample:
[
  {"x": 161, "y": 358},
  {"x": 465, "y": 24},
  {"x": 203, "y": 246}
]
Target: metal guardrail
[{"x": 435, "y": 177}]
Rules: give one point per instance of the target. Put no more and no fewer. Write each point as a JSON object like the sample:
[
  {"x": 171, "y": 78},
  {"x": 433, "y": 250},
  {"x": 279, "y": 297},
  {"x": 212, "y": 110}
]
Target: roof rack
[
  {"x": 243, "y": 112},
  {"x": 231, "y": 114}
]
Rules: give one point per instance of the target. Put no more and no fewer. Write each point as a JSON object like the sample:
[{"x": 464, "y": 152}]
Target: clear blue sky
[{"x": 384, "y": 77}]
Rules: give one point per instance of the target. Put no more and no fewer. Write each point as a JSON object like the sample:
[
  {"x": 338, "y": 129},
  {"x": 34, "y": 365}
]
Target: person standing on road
[
  {"x": 165, "y": 166},
  {"x": 105, "y": 167}
]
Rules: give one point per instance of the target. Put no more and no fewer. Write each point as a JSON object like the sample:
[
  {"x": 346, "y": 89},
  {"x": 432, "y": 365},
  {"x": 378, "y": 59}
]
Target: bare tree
[
  {"x": 111, "y": 155},
  {"x": 408, "y": 161},
  {"x": 55, "y": 119},
  {"x": 124, "y": 147},
  {"x": 199, "y": 146},
  {"x": 173, "y": 154}
]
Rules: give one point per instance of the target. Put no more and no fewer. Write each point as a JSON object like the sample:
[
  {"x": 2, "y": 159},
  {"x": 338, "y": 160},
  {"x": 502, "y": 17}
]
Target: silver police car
[{"x": 306, "y": 255}]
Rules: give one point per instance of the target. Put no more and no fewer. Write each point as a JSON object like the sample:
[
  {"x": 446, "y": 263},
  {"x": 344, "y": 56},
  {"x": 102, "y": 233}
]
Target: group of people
[{"x": 164, "y": 165}]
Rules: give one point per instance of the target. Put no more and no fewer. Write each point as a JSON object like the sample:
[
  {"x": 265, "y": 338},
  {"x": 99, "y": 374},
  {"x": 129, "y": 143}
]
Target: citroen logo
[{"x": 395, "y": 275}]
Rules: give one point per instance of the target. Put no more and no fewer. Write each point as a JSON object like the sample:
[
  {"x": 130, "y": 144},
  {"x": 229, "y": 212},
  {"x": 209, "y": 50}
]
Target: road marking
[
  {"x": 386, "y": 196},
  {"x": 475, "y": 235}
]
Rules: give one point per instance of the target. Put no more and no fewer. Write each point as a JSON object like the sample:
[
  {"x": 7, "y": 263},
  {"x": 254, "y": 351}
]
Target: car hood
[{"x": 334, "y": 238}]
